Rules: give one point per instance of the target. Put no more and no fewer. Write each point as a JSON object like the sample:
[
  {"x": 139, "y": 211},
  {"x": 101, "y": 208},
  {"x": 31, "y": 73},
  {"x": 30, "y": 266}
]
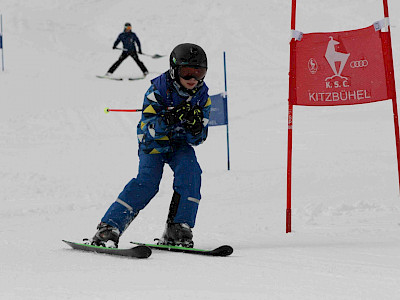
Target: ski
[
  {"x": 220, "y": 251},
  {"x": 137, "y": 78},
  {"x": 109, "y": 77},
  {"x": 121, "y": 78},
  {"x": 140, "y": 251},
  {"x": 153, "y": 55}
]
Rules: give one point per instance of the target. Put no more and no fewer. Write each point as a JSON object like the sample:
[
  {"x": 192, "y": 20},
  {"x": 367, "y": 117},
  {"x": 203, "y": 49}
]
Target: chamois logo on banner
[
  {"x": 312, "y": 65},
  {"x": 333, "y": 56}
]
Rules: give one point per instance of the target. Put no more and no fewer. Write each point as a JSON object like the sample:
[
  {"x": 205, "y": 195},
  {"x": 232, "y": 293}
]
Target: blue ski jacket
[
  {"x": 128, "y": 40},
  {"x": 154, "y": 135}
]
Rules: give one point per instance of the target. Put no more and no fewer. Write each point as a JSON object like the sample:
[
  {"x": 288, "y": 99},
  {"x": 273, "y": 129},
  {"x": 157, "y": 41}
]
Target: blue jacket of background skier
[
  {"x": 128, "y": 40},
  {"x": 154, "y": 135}
]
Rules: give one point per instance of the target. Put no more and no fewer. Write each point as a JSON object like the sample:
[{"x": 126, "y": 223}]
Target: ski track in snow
[{"x": 63, "y": 161}]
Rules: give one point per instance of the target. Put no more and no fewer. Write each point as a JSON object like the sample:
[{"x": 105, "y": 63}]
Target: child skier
[
  {"x": 128, "y": 39},
  {"x": 175, "y": 117}
]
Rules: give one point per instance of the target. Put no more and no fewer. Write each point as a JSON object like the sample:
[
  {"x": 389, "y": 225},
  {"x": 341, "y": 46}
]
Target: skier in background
[
  {"x": 175, "y": 117},
  {"x": 128, "y": 39}
]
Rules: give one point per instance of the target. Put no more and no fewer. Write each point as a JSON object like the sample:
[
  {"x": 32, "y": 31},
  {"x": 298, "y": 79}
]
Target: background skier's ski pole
[
  {"x": 107, "y": 110},
  {"x": 151, "y": 55},
  {"x": 1, "y": 42}
]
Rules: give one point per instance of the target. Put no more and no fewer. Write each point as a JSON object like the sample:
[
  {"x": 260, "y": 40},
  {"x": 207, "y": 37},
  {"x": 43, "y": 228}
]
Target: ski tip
[
  {"x": 145, "y": 251},
  {"x": 73, "y": 244},
  {"x": 224, "y": 250}
]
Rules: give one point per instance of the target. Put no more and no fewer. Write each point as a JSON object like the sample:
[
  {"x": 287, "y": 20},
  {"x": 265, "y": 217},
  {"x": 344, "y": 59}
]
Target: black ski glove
[
  {"x": 182, "y": 111},
  {"x": 169, "y": 117},
  {"x": 194, "y": 120},
  {"x": 178, "y": 114}
]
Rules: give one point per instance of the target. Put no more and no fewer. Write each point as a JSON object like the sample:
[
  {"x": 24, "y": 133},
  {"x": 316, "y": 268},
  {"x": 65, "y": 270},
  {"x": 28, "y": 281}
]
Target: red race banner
[{"x": 340, "y": 68}]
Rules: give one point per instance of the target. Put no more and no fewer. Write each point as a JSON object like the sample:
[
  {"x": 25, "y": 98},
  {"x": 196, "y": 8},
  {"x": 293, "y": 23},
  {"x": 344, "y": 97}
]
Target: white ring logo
[{"x": 359, "y": 63}]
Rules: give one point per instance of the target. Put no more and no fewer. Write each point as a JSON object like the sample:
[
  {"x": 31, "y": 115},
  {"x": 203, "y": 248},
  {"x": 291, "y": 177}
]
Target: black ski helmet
[
  {"x": 187, "y": 54},
  {"x": 127, "y": 25}
]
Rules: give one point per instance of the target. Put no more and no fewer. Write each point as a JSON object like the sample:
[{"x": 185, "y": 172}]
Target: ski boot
[
  {"x": 106, "y": 236},
  {"x": 177, "y": 234}
]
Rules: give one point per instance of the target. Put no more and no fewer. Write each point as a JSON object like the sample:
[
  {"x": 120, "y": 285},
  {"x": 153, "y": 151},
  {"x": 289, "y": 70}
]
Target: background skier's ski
[
  {"x": 137, "y": 78},
  {"x": 120, "y": 78},
  {"x": 109, "y": 77},
  {"x": 140, "y": 251}
]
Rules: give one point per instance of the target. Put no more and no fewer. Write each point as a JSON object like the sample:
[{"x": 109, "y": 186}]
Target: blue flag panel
[
  {"x": 219, "y": 111},
  {"x": 1, "y": 41}
]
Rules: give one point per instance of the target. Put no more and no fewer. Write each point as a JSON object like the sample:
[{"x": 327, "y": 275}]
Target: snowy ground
[{"x": 63, "y": 161}]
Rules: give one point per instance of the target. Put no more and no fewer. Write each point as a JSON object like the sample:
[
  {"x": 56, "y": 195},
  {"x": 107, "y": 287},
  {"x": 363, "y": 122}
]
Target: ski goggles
[{"x": 188, "y": 73}]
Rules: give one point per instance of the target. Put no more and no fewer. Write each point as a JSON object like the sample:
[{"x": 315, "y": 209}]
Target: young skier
[
  {"x": 175, "y": 117},
  {"x": 128, "y": 39}
]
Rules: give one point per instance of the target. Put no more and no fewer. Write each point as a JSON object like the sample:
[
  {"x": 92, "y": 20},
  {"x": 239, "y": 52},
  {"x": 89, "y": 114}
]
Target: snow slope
[{"x": 63, "y": 161}]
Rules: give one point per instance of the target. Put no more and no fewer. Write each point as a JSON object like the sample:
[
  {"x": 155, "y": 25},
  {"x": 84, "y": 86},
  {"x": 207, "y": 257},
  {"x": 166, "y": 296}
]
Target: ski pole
[
  {"x": 1, "y": 42},
  {"x": 107, "y": 110},
  {"x": 153, "y": 56},
  {"x": 145, "y": 54}
]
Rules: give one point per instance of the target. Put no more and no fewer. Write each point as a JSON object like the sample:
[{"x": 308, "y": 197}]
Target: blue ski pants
[{"x": 140, "y": 190}]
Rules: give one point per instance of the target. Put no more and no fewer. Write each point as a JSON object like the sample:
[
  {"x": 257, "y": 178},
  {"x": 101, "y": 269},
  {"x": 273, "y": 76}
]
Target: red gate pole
[
  {"x": 292, "y": 95},
  {"x": 391, "y": 86},
  {"x": 289, "y": 171}
]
